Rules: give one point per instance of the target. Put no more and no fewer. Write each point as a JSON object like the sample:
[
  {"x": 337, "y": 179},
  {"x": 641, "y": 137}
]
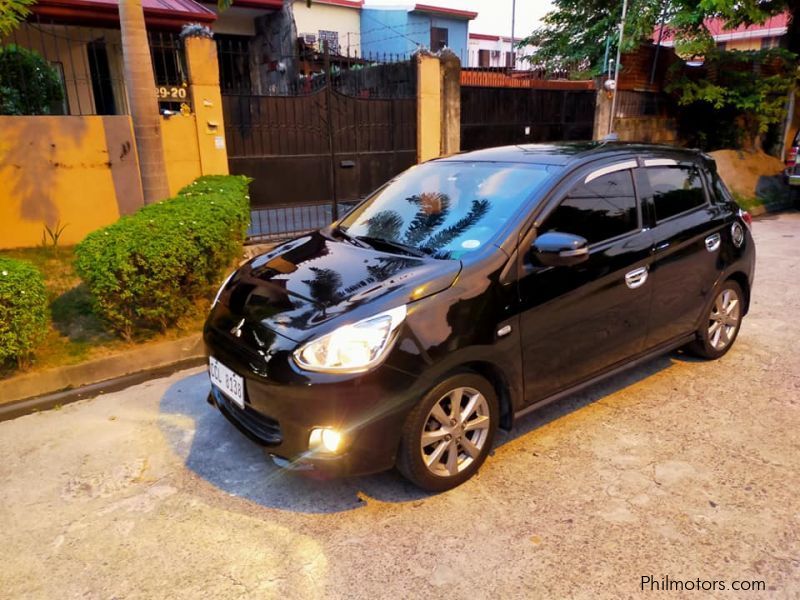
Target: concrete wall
[
  {"x": 345, "y": 20},
  {"x": 429, "y": 108},
  {"x": 384, "y": 30},
  {"x": 397, "y": 31},
  {"x": 81, "y": 172}
]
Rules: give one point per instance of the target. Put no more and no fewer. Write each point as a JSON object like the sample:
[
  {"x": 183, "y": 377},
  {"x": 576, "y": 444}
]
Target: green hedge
[
  {"x": 23, "y": 309},
  {"x": 145, "y": 270}
]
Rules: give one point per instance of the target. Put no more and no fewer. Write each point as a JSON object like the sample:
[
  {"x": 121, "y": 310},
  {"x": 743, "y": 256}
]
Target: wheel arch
[
  {"x": 744, "y": 283},
  {"x": 495, "y": 375}
]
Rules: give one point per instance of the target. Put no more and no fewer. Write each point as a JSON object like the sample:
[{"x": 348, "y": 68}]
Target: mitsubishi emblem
[{"x": 236, "y": 331}]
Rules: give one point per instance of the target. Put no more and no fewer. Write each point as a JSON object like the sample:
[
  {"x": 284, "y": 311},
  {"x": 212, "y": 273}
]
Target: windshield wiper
[
  {"x": 355, "y": 240},
  {"x": 376, "y": 241}
]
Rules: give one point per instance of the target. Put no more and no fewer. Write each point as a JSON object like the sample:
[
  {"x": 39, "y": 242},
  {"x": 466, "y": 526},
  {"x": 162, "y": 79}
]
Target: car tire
[
  {"x": 457, "y": 435},
  {"x": 721, "y": 323}
]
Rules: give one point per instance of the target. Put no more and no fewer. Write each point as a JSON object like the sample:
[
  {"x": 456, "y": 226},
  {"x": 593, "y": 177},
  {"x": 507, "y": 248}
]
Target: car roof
[{"x": 568, "y": 153}]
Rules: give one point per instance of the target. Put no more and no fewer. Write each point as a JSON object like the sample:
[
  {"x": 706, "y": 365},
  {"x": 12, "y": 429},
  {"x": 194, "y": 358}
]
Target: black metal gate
[
  {"x": 496, "y": 116},
  {"x": 330, "y": 142}
]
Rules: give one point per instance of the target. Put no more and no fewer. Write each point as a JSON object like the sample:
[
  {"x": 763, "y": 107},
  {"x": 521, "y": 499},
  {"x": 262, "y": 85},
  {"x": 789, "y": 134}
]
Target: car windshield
[{"x": 444, "y": 209}]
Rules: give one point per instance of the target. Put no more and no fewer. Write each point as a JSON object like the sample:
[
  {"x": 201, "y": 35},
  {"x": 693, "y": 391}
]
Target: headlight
[
  {"x": 221, "y": 288},
  {"x": 352, "y": 348}
]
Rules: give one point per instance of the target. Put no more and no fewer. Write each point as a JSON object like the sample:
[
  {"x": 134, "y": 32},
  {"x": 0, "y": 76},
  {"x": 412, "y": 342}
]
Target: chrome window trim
[{"x": 630, "y": 164}]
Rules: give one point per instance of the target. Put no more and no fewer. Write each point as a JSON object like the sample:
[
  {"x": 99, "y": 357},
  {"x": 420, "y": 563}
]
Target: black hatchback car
[{"x": 470, "y": 290}]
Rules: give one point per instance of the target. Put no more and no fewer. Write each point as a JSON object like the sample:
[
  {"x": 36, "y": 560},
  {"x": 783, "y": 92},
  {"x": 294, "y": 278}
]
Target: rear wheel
[
  {"x": 719, "y": 329},
  {"x": 448, "y": 435}
]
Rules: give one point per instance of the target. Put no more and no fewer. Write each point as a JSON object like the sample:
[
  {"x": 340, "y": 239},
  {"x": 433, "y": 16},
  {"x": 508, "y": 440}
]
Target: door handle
[
  {"x": 661, "y": 246},
  {"x": 712, "y": 242},
  {"x": 636, "y": 278}
]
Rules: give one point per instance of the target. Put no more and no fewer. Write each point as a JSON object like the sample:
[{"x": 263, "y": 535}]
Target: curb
[{"x": 26, "y": 393}]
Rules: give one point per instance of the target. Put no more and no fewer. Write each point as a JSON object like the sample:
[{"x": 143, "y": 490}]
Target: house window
[
  {"x": 483, "y": 58},
  {"x": 511, "y": 59},
  {"x": 438, "y": 38},
  {"x": 332, "y": 37},
  {"x": 769, "y": 42},
  {"x": 722, "y": 46}
]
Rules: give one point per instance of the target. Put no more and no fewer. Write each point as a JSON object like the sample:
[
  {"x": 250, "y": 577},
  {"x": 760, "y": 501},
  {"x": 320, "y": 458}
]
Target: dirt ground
[
  {"x": 678, "y": 468},
  {"x": 745, "y": 173}
]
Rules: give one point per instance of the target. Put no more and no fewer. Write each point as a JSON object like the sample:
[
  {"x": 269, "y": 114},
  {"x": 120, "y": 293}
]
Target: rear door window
[
  {"x": 598, "y": 210},
  {"x": 673, "y": 190}
]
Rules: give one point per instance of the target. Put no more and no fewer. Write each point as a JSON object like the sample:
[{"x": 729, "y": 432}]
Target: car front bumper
[{"x": 369, "y": 410}]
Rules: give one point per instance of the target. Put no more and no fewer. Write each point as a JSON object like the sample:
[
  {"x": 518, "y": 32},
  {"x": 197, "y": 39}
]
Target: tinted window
[
  {"x": 599, "y": 210},
  {"x": 446, "y": 209},
  {"x": 673, "y": 189}
]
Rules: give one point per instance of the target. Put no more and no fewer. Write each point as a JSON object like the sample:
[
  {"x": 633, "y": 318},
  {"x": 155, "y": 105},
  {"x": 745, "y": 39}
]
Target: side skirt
[{"x": 649, "y": 355}]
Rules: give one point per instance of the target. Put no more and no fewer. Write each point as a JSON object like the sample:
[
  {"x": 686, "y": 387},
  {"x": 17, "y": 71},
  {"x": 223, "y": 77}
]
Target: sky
[{"x": 494, "y": 16}]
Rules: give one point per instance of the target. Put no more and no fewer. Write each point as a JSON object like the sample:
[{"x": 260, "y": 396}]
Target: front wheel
[
  {"x": 448, "y": 435},
  {"x": 719, "y": 329}
]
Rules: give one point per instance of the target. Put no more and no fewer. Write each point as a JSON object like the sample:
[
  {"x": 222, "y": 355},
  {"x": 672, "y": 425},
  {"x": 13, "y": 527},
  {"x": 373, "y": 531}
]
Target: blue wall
[{"x": 397, "y": 31}]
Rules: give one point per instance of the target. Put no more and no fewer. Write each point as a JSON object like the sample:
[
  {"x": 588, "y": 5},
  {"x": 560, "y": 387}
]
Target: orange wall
[{"x": 76, "y": 171}]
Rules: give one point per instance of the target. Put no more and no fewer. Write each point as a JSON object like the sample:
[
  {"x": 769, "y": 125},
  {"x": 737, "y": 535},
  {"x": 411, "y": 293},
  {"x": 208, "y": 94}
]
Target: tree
[
  {"x": 578, "y": 30},
  {"x": 140, "y": 84},
  {"x": 12, "y": 13}
]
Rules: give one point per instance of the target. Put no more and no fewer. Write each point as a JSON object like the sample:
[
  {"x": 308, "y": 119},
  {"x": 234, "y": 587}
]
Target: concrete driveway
[{"x": 679, "y": 469}]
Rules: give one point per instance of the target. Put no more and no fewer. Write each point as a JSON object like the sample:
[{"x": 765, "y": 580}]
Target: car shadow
[{"x": 218, "y": 453}]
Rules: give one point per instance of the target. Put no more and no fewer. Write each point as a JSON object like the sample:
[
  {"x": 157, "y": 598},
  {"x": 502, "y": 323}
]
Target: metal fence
[
  {"x": 278, "y": 223},
  {"x": 317, "y": 139},
  {"x": 70, "y": 69}
]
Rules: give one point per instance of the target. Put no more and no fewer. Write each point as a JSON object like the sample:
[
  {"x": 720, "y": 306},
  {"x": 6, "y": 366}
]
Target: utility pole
[
  {"x": 513, "y": 23},
  {"x": 616, "y": 66}
]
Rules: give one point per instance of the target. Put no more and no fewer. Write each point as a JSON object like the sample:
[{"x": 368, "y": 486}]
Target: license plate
[{"x": 228, "y": 382}]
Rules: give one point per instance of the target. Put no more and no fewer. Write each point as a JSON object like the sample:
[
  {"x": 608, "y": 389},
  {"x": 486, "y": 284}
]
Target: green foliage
[
  {"x": 749, "y": 88},
  {"x": 575, "y": 31},
  {"x": 28, "y": 84},
  {"x": 52, "y": 235},
  {"x": 12, "y": 13},
  {"x": 145, "y": 270},
  {"x": 23, "y": 310}
]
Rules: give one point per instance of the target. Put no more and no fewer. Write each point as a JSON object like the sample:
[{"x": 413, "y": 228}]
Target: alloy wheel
[
  {"x": 724, "y": 319},
  {"x": 455, "y": 431}
]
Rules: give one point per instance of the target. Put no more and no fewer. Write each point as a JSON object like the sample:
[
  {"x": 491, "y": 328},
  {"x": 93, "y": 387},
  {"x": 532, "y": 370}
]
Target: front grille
[{"x": 260, "y": 428}]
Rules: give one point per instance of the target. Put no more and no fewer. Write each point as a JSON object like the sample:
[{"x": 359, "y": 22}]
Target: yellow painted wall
[
  {"x": 181, "y": 153},
  {"x": 67, "y": 170},
  {"x": 744, "y": 44},
  {"x": 342, "y": 19},
  {"x": 201, "y": 57},
  {"x": 429, "y": 108}
]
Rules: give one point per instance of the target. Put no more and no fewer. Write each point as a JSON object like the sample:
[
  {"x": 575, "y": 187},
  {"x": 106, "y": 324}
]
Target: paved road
[{"x": 679, "y": 468}]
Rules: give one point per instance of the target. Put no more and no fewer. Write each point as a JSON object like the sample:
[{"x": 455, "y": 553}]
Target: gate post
[
  {"x": 429, "y": 107},
  {"x": 201, "y": 59},
  {"x": 451, "y": 102}
]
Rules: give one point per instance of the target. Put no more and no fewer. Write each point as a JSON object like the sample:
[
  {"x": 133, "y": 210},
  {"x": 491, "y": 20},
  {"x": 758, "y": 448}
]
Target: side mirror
[{"x": 556, "y": 249}]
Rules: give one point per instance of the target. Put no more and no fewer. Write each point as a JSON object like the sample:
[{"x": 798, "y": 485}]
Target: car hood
[{"x": 300, "y": 286}]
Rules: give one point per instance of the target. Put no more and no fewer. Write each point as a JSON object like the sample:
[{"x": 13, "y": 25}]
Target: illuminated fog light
[{"x": 327, "y": 439}]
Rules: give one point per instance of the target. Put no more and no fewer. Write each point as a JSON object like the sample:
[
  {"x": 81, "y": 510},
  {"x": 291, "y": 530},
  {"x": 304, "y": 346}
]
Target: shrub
[
  {"x": 23, "y": 309},
  {"x": 145, "y": 270},
  {"x": 28, "y": 84}
]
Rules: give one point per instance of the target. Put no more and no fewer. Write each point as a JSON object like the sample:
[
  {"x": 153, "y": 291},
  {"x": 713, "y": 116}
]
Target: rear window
[{"x": 673, "y": 190}]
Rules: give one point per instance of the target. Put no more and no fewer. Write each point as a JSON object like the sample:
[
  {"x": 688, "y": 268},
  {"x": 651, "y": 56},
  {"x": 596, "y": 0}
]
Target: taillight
[
  {"x": 746, "y": 217},
  {"x": 791, "y": 158}
]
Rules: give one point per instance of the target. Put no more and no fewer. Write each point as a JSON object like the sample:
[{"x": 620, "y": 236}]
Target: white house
[{"x": 496, "y": 51}]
